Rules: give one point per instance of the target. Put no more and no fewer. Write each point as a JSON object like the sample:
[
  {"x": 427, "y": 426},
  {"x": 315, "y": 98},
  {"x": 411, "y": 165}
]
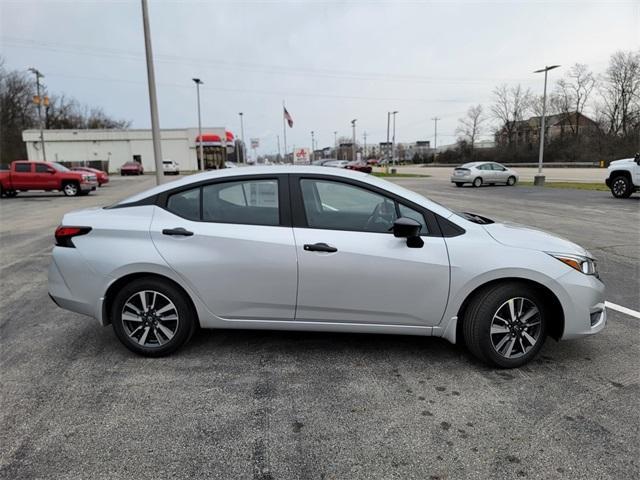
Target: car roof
[{"x": 294, "y": 169}]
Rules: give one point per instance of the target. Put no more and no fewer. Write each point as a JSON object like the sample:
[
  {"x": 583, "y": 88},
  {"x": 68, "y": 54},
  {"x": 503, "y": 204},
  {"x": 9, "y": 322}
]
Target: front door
[
  {"x": 228, "y": 241},
  {"x": 351, "y": 267}
]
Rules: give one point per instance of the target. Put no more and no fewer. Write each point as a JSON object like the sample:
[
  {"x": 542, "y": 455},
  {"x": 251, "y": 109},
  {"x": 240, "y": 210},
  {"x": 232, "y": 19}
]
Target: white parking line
[{"x": 622, "y": 309}]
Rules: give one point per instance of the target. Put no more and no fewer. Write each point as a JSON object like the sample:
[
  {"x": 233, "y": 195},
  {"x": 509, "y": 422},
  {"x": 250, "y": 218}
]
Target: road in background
[{"x": 277, "y": 405}]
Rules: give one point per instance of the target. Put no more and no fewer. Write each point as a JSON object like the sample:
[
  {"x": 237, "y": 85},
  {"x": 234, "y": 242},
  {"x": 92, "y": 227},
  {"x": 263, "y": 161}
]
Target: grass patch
[
  {"x": 600, "y": 187},
  {"x": 399, "y": 175}
]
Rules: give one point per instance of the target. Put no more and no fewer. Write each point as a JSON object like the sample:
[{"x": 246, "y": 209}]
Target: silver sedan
[
  {"x": 319, "y": 249},
  {"x": 483, "y": 173}
]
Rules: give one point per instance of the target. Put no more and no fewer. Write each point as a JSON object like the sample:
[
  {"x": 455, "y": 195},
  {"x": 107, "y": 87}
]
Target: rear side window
[
  {"x": 185, "y": 204},
  {"x": 23, "y": 167},
  {"x": 250, "y": 202}
]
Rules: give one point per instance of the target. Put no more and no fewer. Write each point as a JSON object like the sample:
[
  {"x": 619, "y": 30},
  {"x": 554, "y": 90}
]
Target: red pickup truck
[{"x": 24, "y": 175}]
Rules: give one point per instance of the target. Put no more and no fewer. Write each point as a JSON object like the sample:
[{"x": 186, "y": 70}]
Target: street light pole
[
  {"x": 393, "y": 141},
  {"x": 388, "y": 144},
  {"x": 199, "y": 82},
  {"x": 39, "y": 75},
  {"x": 244, "y": 159},
  {"x": 364, "y": 149},
  {"x": 313, "y": 148},
  {"x": 335, "y": 144},
  {"x": 539, "y": 178},
  {"x": 153, "y": 99},
  {"x": 353, "y": 147}
]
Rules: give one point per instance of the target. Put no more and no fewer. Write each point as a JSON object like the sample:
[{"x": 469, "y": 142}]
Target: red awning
[{"x": 208, "y": 137}]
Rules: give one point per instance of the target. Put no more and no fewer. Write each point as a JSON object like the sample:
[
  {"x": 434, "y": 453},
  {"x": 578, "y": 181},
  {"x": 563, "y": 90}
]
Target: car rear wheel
[
  {"x": 71, "y": 189},
  {"x": 511, "y": 181},
  {"x": 477, "y": 182},
  {"x": 152, "y": 317},
  {"x": 505, "y": 325},
  {"x": 459, "y": 184},
  {"x": 621, "y": 187}
]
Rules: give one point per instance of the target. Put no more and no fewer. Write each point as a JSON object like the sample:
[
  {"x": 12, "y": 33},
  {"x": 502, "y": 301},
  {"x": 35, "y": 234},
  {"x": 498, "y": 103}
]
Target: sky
[{"x": 330, "y": 61}]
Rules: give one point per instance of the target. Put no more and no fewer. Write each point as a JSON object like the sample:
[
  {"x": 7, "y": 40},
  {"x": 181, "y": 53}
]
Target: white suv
[
  {"x": 624, "y": 177},
  {"x": 169, "y": 167}
]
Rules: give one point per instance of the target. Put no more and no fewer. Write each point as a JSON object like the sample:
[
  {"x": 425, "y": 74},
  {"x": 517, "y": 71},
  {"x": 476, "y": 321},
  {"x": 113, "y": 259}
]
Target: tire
[
  {"x": 163, "y": 336},
  {"x": 621, "y": 187},
  {"x": 477, "y": 182},
  {"x": 511, "y": 181},
  {"x": 459, "y": 184},
  {"x": 11, "y": 193},
  {"x": 510, "y": 345},
  {"x": 71, "y": 189}
]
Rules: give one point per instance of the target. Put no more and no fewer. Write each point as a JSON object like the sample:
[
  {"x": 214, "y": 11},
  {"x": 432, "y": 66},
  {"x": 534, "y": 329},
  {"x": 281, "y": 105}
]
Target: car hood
[
  {"x": 622, "y": 163},
  {"x": 521, "y": 236}
]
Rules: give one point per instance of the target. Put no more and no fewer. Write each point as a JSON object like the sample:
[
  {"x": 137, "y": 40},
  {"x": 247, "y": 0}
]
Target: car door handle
[
  {"x": 319, "y": 247},
  {"x": 177, "y": 232}
]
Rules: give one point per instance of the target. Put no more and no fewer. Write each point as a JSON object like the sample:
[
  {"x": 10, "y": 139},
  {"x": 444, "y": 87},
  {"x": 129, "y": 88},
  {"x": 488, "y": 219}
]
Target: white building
[{"x": 109, "y": 149}]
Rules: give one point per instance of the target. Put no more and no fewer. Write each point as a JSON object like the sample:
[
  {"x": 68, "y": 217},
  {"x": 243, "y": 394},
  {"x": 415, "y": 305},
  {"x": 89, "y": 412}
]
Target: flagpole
[{"x": 284, "y": 132}]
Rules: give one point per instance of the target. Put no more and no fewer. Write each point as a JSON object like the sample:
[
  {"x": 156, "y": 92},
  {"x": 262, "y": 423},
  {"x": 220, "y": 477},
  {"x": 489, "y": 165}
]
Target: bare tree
[
  {"x": 509, "y": 107},
  {"x": 620, "y": 92},
  {"x": 471, "y": 126},
  {"x": 572, "y": 94}
]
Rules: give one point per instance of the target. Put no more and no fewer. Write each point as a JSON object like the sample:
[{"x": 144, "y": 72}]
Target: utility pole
[
  {"x": 364, "y": 151},
  {"x": 335, "y": 143},
  {"x": 393, "y": 141},
  {"x": 539, "y": 178},
  {"x": 435, "y": 134},
  {"x": 353, "y": 147},
  {"x": 39, "y": 75},
  {"x": 153, "y": 99},
  {"x": 199, "y": 82},
  {"x": 244, "y": 155},
  {"x": 387, "y": 149},
  {"x": 313, "y": 148}
]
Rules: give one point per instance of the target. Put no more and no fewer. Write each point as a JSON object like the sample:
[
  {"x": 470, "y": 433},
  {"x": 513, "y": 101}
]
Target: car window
[
  {"x": 23, "y": 167},
  {"x": 42, "y": 168},
  {"x": 497, "y": 167},
  {"x": 415, "y": 215},
  {"x": 251, "y": 202},
  {"x": 185, "y": 204},
  {"x": 340, "y": 206}
]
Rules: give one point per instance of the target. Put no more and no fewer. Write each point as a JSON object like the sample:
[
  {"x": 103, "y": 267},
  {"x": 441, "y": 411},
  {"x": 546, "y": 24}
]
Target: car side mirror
[
  {"x": 408, "y": 228},
  {"x": 51, "y": 170}
]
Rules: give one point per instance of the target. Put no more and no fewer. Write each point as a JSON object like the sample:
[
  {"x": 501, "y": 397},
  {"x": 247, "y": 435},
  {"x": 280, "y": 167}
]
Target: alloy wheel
[
  {"x": 70, "y": 189},
  {"x": 515, "y": 327},
  {"x": 619, "y": 187},
  {"x": 149, "y": 318}
]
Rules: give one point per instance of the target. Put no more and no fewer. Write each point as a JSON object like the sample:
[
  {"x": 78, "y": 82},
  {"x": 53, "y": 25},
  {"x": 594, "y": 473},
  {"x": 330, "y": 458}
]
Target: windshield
[{"x": 60, "y": 168}]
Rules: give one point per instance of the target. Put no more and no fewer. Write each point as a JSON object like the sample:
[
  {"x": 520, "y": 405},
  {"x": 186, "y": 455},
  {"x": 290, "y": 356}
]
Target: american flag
[{"x": 288, "y": 118}]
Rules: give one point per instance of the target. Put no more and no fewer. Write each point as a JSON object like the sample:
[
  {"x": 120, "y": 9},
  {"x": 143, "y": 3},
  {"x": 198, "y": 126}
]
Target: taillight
[{"x": 65, "y": 234}]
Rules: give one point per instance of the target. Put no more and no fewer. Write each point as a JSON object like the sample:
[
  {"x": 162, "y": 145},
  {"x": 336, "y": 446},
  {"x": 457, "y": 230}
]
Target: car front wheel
[
  {"x": 511, "y": 181},
  {"x": 621, "y": 187},
  {"x": 505, "y": 325},
  {"x": 152, "y": 317},
  {"x": 71, "y": 189}
]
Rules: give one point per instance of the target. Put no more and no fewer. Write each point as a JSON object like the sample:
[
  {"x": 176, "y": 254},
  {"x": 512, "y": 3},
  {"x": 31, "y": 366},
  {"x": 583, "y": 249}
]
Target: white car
[
  {"x": 169, "y": 167},
  {"x": 319, "y": 249},
  {"x": 483, "y": 173},
  {"x": 336, "y": 163}
]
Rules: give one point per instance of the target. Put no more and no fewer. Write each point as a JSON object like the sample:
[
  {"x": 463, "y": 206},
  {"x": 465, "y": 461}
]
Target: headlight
[{"x": 582, "y": 264}]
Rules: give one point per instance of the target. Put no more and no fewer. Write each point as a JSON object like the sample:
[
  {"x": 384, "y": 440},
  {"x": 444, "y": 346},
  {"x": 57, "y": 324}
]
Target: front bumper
[
  {"x": 607, "y": 182},
  {"x": 88, "y": 186},
  {"x": 584, "y": 309}
]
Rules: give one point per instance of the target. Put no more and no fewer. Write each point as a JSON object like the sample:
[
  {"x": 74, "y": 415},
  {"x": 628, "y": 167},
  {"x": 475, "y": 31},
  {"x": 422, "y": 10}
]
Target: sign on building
[
  {"x": 302, "y": 156},
  {"x": 255, "y": 143}
]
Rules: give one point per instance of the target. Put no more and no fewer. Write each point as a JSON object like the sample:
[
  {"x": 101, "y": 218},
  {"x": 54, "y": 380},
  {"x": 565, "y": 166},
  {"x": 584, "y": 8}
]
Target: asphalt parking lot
[{"x": 278, "y": 405}]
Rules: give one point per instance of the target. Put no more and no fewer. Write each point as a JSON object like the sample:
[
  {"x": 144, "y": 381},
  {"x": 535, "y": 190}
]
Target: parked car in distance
[
  {"x": 359, "y": 166},
  {"x": 483, "y": 173},
  {"x": 319, "y": 249},
  {"x": 336, "y": 163},
  {"x": 374, "y": 162},
  {"x": 24, "y": 175},
  {"x": 624, "y": 177},
  {"x": 321, "y": 161},
  {"x": 169, "y": 167},
  {"x": 131, "y": 168},
  {"x": 101, "y": 176}
]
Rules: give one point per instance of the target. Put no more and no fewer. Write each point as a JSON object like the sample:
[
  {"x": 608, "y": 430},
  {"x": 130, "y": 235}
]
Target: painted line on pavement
[{"x": 622, "y": 309}]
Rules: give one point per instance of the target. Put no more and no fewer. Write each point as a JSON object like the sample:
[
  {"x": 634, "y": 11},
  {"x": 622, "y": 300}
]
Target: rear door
[
  {"x": 231, "y": 240},
  {"x": 351, "y": 267},
  {"x": 22, "y": 176}
]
